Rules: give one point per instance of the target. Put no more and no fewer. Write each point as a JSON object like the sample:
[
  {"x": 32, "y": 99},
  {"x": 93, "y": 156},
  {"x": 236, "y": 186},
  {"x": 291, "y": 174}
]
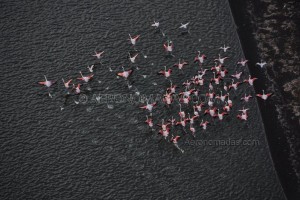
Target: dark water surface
[{"x": 88, "y": 151}]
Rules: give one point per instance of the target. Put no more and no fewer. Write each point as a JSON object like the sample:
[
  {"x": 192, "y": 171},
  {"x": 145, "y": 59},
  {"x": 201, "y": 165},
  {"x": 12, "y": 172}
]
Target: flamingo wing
[{"x": 42, "y": 82}]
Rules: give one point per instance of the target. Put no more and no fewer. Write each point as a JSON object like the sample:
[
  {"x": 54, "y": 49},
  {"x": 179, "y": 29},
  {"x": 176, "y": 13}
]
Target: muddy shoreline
[{"x": 269, "y": 31}]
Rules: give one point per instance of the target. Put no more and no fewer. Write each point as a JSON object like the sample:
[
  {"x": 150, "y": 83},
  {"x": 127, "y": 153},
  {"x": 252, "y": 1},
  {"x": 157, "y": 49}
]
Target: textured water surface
[{"x": 100, "y": 151}]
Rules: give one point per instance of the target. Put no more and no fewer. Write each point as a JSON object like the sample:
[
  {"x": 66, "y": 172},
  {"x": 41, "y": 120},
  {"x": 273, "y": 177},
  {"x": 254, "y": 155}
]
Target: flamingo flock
[{"x": 216, "y": 83}]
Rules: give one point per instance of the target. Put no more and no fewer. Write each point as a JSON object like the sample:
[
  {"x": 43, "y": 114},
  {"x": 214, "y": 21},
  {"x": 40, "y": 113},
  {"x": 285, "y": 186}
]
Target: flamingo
[
  {"x": 229, "y": 101},
  {"x": 98, "y": 54},
  {"x": 181, "y": 113},
  {"x": 210, "y": 86},
  {"x": 196, "y": 113},
  {"x": 250, "y": 80},
  {"x": 125, "y": 74},
  {"x": 187, "y": 84},
  {"x": 210, "y": 95},
  {"x": 187, "y": 93},
  {"x": 242, "y": 62},
  {"x": 210, "y": 103},
  {"x": 165, "y": 72},
  {"x": 149, "y": 107},
  {"x": 216, "y": 80},
  {"x": 192, "y": 119},
  {"x": 169, "y": 46},
  {"x": 132, "y": 58},
  {"x": 225, "y": 87},
  {"x": 244, "y": 110},
  {"x": 226, "y": 107},
  {"x": 155, "y": 24},
  {"x": 211, "y": 111},
  {"x": 164, "y": 126},
  {"x": 200, "y": 58},
  {"x": 201, "y": 82},
  {"x": 91, "y": 68},
  {"x": 46, "y": 82},
  {"x": 196, "y": 92},
  {"x": 222, "y": 97},
  {"x": 172, "y": 88},
  {"x": 77, "y": 88},
  {"x": 193, "y": 130},
  {"x": 185, "y": 100},
  {"x": 263, "y": 95},
  {"x": 221, "y": 115},
  {"x": 182, "y": 122},
  {"x": 216, "y": 67},
  {"x": 184, "y": 26},
  {"x": 134, "y": 39},
  {"x": 201, "y": 73},
  {"x": 85, "y": 78},
  {"x": 246, "y": 98},
  {"x": 261, "y": 64},
  {"x": 199, "y": 106},
  {"x": 168, "y": 98},
  {"x": 174, "y": 140},
  {"x": 234, "y": 85},
  {"x": 221, "y": 60},
  {"x": 67, "y": 84},
  {"x": 149, "y": 121},
  {"x": 164, "y": 133},
  {"x": 237, "y": 75},
  {"x": 224, "y": 48},
  {"x": 223, "y": 72},
  {"x": 204, "y": 124},
  {"x": 173, "y": 121},
  {"x": 243, "y": 116},
  {"x": 195, "y": 80},
  {"x": 180, "y": 64}
]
